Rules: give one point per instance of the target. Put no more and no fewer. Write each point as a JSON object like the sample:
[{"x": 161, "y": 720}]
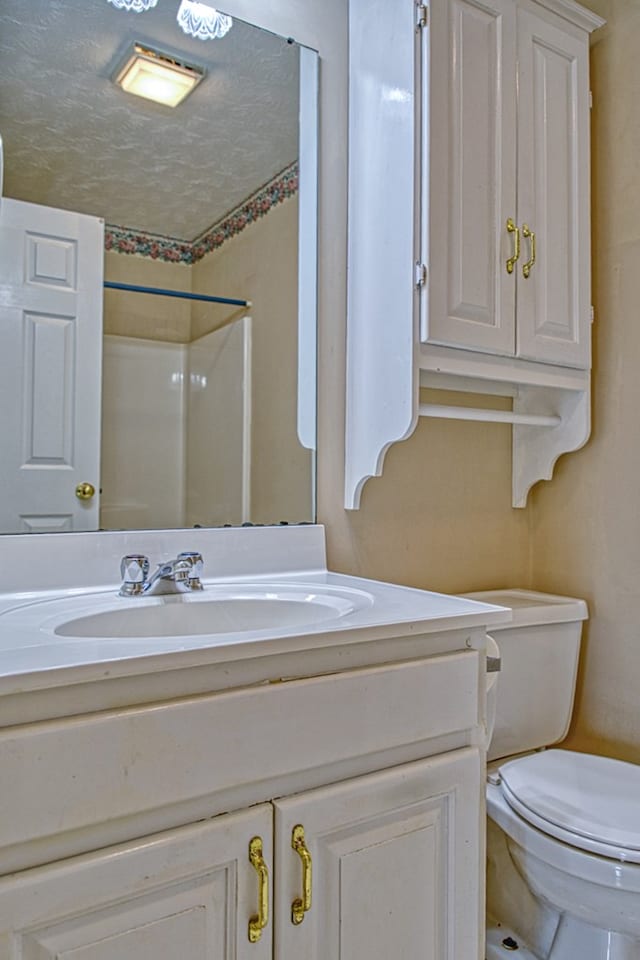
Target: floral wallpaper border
[{"x": 171, "y": 250}]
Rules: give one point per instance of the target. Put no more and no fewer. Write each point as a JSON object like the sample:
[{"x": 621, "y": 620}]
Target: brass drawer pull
[
  {"x": 530, "y": 235},
  {"x": 301, "y": 905},
  {"x": 258, "y": 922},
  {"x": 511, "y": 228}
]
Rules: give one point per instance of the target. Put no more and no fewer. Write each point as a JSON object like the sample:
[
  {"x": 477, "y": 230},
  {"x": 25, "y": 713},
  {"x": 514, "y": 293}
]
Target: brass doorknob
[{"x": 85, "y": 491}]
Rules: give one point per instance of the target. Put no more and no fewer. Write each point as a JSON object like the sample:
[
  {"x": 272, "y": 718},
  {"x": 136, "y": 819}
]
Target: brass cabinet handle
[
  {"x": 511, "y": 228},
  {"x": 85, "y": 491},
  {"x": 530, "y": 235},
  {"x": 301, "y": 905},
  {"x": 258, "y": 922}
]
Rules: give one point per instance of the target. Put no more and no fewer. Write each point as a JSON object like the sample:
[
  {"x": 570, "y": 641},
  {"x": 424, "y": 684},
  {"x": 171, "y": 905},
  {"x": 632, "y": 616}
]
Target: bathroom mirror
[{"x": 200, "y": 412}]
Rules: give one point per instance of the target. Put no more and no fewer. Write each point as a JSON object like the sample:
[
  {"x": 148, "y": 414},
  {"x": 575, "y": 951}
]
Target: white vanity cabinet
[
  {"x": 508, "y": 177},
  {"x": 298, "y": 793},
  {"x": 388, "y": 864},
  {"x": 469, "y": 223},
  {"x": 375, "y": 773}
]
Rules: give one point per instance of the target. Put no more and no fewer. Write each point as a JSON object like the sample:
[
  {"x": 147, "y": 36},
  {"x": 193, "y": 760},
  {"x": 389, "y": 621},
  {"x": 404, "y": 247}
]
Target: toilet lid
[{"x": 590, "y": 802}]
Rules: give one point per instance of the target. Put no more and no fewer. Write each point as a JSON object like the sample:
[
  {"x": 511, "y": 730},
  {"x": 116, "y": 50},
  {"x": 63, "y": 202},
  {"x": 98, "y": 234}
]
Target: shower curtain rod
[{"x": 180, "y": 294}]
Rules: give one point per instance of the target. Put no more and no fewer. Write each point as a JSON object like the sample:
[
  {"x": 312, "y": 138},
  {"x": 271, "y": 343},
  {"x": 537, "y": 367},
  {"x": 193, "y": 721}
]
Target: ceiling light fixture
[
  {"x": 157, "y": 76},
  {"x": 137, "y": 6},
  {"x": 202, "y": 21}
]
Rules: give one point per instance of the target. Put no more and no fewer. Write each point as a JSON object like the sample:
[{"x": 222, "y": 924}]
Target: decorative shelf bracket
[
  {"x": 546, "y": 422},
  {"x": 536, "y": 450}
]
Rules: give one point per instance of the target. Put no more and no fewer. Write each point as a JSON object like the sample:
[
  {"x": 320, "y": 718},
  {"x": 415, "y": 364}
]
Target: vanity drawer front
[{"x": 124, "y": 763}]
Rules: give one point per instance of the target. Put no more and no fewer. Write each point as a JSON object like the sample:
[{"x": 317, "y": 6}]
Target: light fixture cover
[
  {"x": 157, "y": 76},
  {"x": 202, "y": 21},
  {"x": 137, "y": 6}
]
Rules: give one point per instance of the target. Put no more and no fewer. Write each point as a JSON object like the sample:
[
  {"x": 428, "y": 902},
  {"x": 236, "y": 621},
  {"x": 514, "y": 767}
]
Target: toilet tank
[{"x": 539, "y": 652}]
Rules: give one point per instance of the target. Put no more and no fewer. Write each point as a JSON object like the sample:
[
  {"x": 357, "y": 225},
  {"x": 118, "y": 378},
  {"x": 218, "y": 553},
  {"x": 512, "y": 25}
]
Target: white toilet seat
[
  {"x": 586, "y": 801},
  {"x": 596, "y": 871}
]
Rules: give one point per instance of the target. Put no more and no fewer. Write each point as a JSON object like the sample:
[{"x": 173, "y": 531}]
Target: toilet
[{"x": 563, "y": 839}]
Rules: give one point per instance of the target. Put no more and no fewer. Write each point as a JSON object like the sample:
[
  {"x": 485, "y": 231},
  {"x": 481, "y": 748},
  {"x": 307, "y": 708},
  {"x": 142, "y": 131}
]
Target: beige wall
[
  {"x": 260, "y": 265},
  {"x": 440, "y": 516},
  {"x": 586, "y": 524},
  {"x": 142, "y": 315}
]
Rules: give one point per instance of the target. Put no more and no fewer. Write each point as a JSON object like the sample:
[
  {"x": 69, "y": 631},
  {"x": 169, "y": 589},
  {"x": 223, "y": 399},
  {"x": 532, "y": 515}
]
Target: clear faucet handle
[
  {"x": 194, "y": 558},
  {"x": 134, "y": 568}
]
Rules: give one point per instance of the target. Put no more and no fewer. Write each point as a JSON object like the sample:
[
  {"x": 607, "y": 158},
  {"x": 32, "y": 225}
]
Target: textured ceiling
[{"x": 74, "y": 140}]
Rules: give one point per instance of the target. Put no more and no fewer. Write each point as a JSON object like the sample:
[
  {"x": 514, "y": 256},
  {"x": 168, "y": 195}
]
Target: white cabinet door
[
  {"x": 51, "y": 269},
  {"x": 395, "y": 865},
  {"x": 187, "y": 894},
  {"x": 553, "y": 192},
  {"x": 470, "y": 190}
]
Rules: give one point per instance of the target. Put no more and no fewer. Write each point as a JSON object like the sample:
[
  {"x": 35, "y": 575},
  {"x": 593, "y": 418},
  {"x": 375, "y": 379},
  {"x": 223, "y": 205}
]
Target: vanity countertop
[{"x": 34, "y": 658}]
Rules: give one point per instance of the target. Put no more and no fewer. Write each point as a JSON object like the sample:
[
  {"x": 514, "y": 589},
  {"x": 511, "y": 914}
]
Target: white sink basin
[
  {"x": 222, "y": 609},
  {"x": 209, "y": 614}
]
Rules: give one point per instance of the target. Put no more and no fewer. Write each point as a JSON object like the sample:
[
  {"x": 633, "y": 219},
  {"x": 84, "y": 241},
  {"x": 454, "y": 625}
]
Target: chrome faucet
[{"x": 181, "y": 575}]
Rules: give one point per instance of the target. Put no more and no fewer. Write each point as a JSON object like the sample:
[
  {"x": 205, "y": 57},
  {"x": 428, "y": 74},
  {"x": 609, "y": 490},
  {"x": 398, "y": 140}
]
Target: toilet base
[{"x": 574, "y": 938}]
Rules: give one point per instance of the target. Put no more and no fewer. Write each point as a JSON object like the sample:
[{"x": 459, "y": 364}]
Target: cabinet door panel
[
  {"x": 553, "y": 193},
  {"x": 396, "y": 865},
  {"x": 187, "y": 893},
  {"x": 472, "y": 157}
]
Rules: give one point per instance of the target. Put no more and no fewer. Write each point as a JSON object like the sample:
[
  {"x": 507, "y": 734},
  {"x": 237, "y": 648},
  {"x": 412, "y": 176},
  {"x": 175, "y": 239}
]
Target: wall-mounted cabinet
[
  {"x": 469, "y": 251},
  {"x": 509, "y": 230}
]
